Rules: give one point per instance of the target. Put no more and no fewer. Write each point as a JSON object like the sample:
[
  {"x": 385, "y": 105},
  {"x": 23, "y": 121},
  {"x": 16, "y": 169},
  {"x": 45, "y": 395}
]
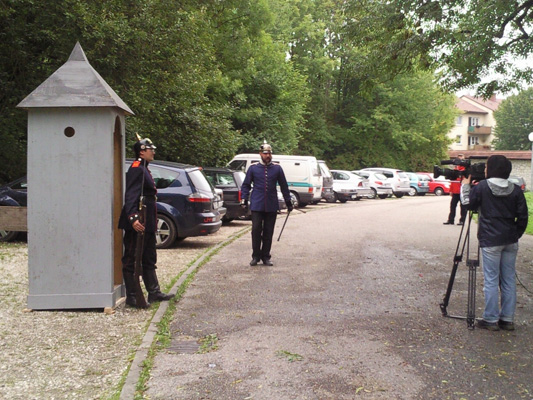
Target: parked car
[
  {"x": 349, "y": 186},
  {"x": 327, "y": 183},
  {"x": 186, "y": 202},
  {"x": 437, "y": 186},
  {"x": 378, "y": 184},
  {"x": 13, "y": 194},
  {"x": 419, "y": 184},
  {"x": 230, "y": 182},
  {"x": 363, "y": 187},
  {"x": 396, "y": 177},
  {"x": 518, "y": 180}
]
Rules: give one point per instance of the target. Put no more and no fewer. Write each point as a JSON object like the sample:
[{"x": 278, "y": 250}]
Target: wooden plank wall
[{"x": 14, "y": 219}]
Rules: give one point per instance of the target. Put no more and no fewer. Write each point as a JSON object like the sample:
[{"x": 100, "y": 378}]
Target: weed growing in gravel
[
  {"x": 289, "y": 356},
  {"x": 208, "y": 343}
]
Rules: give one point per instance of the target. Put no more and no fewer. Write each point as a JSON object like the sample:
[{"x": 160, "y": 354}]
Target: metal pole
[{"x": 530, "y": 137}]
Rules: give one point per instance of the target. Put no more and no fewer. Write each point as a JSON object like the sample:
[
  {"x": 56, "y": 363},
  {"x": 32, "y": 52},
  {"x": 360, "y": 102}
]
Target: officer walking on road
[
  {"x": 139, "y": 182},
  {"x": 264, "y": 202}
]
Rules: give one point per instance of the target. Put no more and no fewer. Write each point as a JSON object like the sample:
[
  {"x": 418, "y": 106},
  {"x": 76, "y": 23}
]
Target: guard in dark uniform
[
  {"x": 139, "y": 182},
  {"x": 264, "y": 202}
]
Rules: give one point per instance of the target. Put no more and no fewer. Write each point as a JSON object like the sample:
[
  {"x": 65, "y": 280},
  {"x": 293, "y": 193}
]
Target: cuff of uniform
[{"x": 133, "y": 218}]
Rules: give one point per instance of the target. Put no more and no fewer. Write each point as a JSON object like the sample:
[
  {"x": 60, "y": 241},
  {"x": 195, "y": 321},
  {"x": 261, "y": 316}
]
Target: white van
[{"x": 302, "y": 172}]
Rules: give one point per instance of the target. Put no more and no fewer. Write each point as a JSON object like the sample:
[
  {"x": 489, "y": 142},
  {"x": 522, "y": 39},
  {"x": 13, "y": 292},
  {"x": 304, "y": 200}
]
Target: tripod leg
[
  {"x": 471, "y": 310},
  {"x": 457, "y": 258},
  {"x": 471, "y": 307}
]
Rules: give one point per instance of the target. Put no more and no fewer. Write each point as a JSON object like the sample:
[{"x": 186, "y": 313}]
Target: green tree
[
  {"x": 267, "y": 94},
  {"x": 470, "y": 40},
  {"x": 402, "y": 124},
  {"x": 514, "y": 122}
]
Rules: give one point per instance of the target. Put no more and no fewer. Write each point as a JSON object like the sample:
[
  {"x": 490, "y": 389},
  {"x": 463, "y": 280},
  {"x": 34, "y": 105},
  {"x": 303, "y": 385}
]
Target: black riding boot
[
  {"x": 129, "y": 281},
  {"x": 152, "y": 286}
]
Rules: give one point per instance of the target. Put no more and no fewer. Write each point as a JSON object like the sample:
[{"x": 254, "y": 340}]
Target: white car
[
  {"x": 378, "y": 184},
  {"x": 349, "y": 186},
  {"x": 401, "y": 184}
]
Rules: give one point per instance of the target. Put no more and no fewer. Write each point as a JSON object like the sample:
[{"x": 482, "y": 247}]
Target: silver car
[
  {"x": 378, "y": 184},
  {"x": 400, "y": 182},
  {"x": 361, "y": 185}
]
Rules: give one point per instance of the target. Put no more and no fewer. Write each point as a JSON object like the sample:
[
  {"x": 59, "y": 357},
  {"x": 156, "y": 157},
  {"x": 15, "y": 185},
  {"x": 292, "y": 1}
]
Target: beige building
[{"x": 474, "y": 127}]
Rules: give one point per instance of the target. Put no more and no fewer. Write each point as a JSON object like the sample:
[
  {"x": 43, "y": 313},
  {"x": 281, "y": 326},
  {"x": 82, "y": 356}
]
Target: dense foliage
[
  {"x": 349, "y": 82},
  {"x": 514, "y": 119},
  {"x": 474, "y": 42}
]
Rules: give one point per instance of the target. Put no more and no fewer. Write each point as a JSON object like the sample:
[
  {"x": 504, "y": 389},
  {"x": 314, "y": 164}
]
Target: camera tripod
[{"x": 472, "y": 263}]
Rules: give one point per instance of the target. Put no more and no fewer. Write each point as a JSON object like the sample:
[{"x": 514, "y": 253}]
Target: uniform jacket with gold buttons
[{"x": 264, "y": 196}]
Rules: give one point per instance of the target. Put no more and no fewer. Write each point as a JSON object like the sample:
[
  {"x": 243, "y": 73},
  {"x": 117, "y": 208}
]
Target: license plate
[{"x": 354, "y": 196}]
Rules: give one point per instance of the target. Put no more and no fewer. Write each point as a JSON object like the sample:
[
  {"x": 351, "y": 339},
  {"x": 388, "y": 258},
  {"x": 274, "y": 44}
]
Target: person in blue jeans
[{"x": 502, "y": 221}]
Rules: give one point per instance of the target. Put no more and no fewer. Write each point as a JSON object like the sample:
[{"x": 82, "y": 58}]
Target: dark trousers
[
  {"x": 262, "y": 231},
  {"x": 149, "y": 258},
  {"x": 456, "y": 198}
]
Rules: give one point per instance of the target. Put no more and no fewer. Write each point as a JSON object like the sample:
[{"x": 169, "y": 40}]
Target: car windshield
[
  {"x": 199, "y": 181},
  {"x": 163, "y": 177}
]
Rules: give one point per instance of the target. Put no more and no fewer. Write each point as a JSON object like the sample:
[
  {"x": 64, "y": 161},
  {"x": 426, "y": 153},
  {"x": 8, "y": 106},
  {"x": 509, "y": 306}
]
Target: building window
[
  {"x": 458, "y": 139},
  {"x": 473, "y": 121},
  {"x": 459, "y": 120},
  {"x": 473, "y": 140}
]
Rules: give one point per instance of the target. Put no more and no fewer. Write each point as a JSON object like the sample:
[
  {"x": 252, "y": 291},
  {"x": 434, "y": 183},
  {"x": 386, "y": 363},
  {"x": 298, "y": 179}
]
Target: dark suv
[
  {"x": 230, "y": 181},
  {"x": 185, "y": 202}
]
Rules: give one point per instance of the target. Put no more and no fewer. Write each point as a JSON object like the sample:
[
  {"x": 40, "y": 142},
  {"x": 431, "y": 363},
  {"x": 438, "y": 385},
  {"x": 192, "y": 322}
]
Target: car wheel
[
  {"x": 295, "y": 200},
  {"x": 412, "y": 192},
  {"x": 7, "y": 236},
  {"x": 374, "y": 194},
  {"x": 399, "y": 194},
  {"x": 383, "y": 196},
  {"x": 166, "y": 232},
  {"x": 439, "y": 191}
]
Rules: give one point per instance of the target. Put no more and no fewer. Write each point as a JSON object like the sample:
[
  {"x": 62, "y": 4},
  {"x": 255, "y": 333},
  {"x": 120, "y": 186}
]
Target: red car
[{"x": 437, "y": 186}]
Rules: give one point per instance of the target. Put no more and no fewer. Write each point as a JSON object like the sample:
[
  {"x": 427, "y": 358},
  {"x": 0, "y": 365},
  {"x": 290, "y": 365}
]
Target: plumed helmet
[
  {"x": 265, "y": 148},
  {"x": 142, "y": 144}
]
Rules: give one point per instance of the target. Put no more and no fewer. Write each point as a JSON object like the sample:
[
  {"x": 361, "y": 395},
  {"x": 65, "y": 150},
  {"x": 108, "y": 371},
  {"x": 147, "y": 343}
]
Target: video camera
[{"x": 477, "y": 170}]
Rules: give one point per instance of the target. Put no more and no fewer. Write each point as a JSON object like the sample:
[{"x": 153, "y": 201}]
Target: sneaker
[
  {"x": 490, "y": 326},
  {"x": 268, "y": 263},
  {"x": 254, "y": 262},
  {"x": 461, "y": 223},
  {"x": 447, "y": 223},
  {"x": 506, "y": 325}
]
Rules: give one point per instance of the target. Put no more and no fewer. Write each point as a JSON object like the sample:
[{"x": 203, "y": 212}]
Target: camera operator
[
  {"x": 503, "y": 219},
  {"x": 455, "y": 193}
]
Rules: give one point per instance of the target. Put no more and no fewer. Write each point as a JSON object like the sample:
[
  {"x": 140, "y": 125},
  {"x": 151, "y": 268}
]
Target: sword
[{"x": 283, "y": 227}]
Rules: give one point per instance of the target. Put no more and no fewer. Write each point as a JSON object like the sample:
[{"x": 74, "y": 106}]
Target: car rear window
[
  {"x": 224, "y": 179},
  {"x": 163, "y": 177},
  {"x": 199, "y": 181},
  {"x": 402, "y": 175}
]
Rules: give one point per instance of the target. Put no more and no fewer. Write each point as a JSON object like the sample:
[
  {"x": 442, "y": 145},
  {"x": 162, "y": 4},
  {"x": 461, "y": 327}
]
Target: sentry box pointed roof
[{"x": 75, "y": 84}]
